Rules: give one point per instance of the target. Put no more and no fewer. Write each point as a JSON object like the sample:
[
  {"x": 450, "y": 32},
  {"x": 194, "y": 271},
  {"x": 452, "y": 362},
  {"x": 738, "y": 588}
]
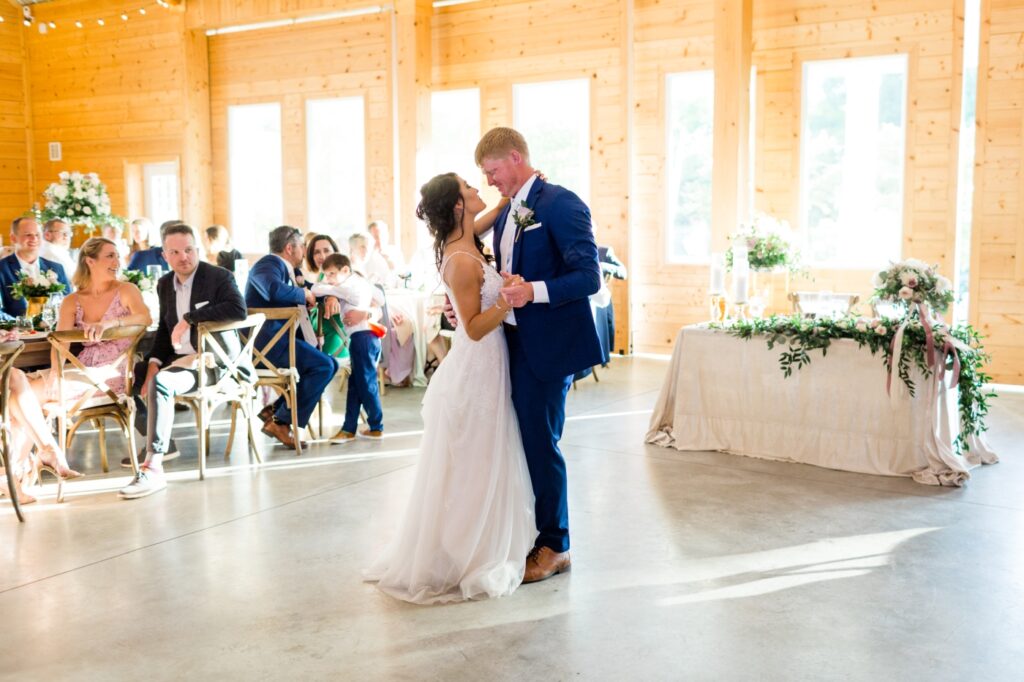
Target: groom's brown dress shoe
[
  {"x": 544, "y": 562},
  {"x": 266, "y": 413}
]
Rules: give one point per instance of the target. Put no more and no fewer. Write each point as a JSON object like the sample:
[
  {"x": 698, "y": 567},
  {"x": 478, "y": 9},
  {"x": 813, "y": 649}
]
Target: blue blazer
[
  {"x": 269, "y": 286},
  {"x": 154, "y": 255},
  {"x": 9, "y": 269},
  {"x": 559, "y": 337}
]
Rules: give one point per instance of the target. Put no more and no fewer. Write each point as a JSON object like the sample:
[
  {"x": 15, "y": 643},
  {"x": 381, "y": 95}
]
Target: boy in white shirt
[{"x": 356, "y": 294}]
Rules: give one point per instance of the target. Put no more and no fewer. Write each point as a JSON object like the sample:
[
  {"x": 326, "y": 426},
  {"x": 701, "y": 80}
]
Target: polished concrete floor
[{"x": 691, "y": 565}]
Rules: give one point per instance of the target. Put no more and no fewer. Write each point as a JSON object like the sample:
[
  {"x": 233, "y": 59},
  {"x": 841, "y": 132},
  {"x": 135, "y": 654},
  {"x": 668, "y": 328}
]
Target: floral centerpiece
[
  {"x": 911, "y": 282},
  {"x": 36, "y": 289},
  {"x": 769, "y": 245},
  {"x": 960, "y": 353},
  {"x": 144, "y": 282},
  {"x": 79, "y": 198}
]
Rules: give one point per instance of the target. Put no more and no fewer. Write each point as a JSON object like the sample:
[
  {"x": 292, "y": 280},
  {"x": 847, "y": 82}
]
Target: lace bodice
[{"x": 489, "y": 290}]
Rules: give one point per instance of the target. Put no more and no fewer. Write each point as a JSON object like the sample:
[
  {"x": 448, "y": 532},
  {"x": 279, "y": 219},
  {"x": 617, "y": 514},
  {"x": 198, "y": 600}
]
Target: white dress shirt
[
  {"x": 354, "y": 293},
  {"x": 183, "y": 301},
  {"x": 508, "y": 237},
  {"x": 32, "y": 269}
]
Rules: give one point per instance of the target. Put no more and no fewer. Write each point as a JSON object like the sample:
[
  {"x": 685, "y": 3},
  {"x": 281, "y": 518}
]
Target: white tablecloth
[{"x": 729, "y": 394}]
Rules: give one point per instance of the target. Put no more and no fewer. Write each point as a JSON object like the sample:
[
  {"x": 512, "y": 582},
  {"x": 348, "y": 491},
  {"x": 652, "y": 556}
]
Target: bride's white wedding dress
[{"x": 470, "y": 520}]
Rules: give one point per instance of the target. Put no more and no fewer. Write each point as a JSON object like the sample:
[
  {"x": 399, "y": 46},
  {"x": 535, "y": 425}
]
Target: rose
[
  {"x": 862, "y": 325},
  {"x": 906, "y": 293},
  {"x": 86, "y": 210},
  {"x": 881, "y": 330}
]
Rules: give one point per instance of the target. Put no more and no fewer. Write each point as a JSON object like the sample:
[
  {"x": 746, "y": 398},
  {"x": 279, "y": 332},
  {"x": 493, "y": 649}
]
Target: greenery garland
[{"x": 801, "y": 336}]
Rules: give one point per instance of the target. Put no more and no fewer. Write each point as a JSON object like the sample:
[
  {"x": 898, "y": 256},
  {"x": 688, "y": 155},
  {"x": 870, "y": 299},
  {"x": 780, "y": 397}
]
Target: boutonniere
[{"x": 523, "y": 217}]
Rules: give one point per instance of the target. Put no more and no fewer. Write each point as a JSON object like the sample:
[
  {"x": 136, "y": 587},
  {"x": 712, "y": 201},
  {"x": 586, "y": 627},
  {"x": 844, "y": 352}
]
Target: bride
[{"x": 470, "y": 520}]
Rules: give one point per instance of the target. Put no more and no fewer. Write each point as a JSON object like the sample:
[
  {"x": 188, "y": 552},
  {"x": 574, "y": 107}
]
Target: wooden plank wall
[
  {"x": 15, "y": 195},
  {"x": 679, "y": 36},
  {"x": 997, "y": 263},
  {"x": 338, "y": 58},
  {"x": 109, "y": 94},
  {"x": 474, "y": 46}
]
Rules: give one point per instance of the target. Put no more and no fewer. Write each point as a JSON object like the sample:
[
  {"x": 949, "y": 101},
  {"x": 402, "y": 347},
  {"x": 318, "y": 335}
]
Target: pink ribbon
[{"x": 929, "y": 336}]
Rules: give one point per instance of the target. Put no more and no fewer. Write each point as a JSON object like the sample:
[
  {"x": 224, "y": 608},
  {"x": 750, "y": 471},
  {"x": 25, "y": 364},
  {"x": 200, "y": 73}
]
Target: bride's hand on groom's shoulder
[{"x": 449, "y": 313}]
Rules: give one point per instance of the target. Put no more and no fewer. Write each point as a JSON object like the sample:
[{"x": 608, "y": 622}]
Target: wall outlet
[{"x": 55, "y": 151}]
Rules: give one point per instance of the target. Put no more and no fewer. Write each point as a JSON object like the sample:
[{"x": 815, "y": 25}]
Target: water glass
[
  {"x": 154, "y": 271},
  {"x": 23, "y": 323},
  {"x": 49, "y": 316}
]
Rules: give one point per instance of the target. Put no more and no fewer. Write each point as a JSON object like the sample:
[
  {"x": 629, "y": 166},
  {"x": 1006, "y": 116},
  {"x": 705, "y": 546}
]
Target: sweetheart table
[{"x": 729, "y": 394}]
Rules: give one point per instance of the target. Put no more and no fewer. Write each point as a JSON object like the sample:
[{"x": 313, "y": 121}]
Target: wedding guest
[
  {"x": 219, "y": 250},
  {"x": 30, "y": 428},
  {"x": 319, "y": 247},
  {"x": 116, "y": 234},
  {"x": 193, "y": 293},
  {"x": 366, "y": 261},
  {"x": 27, "y": 239},
  {"x": 356, "y": 294},
  {"x": 143, "y": 255},
  {"x": 57, "y": 244},
  {"x": 272, "y": 284},
  {"x": 378, "y": 231}
]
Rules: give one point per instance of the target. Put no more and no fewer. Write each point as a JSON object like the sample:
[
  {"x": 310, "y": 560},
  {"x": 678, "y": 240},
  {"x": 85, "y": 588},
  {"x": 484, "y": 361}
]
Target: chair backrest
[
  {"x": 9, "y": 352},
  {"x": 290, "y": 318},
  {"x": 210, "y": 346},
  {"x": 810, "y": 302},
  {"x": 61, "y": 342}
]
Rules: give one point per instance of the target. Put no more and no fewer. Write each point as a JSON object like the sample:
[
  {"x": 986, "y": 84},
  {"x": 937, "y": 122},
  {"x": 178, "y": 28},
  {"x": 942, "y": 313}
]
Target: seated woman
[
  {"x": 219, "y": 250},
  {"x": 142, "y": 253},
  {"x": 318, "y": 248}
]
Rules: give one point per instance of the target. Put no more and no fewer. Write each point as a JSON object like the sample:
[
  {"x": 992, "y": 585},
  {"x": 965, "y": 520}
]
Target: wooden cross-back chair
[
  {"x": 284, "y": 380},
  {"x": 101, "y": 404},
  {"x": 233, "y": 388},
  {"x": 9, "y": 352}
]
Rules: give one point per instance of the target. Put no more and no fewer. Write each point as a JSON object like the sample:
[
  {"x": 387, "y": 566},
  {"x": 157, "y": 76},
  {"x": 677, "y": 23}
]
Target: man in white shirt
[
  {"x": 367, "y": 261},
  {"x": 57, "y": 245}
]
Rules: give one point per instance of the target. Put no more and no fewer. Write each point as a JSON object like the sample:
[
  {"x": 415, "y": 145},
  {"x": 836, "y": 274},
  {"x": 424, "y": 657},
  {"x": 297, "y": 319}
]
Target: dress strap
[{"x": 447, "y": 259}]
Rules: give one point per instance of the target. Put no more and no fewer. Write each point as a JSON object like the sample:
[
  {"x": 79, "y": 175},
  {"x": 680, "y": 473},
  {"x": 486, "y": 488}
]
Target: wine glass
[{"x": 49, "y": 316}]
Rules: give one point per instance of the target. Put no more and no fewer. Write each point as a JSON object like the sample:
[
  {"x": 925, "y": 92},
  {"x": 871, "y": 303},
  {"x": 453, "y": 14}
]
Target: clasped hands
[{"x": 516, "y": 291}]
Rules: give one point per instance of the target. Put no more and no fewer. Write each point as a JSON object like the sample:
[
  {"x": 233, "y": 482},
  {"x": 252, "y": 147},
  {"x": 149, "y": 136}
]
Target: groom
[{"x": 545, "y": 237}]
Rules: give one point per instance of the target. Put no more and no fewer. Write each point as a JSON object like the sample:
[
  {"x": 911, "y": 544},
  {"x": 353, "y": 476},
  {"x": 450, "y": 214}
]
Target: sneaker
[
  {"x": 145, "y": 483},
  {"x": 343, "y": 436},
  {"x": 127, "y": 461},
  {"x": 372, "y": 434}
]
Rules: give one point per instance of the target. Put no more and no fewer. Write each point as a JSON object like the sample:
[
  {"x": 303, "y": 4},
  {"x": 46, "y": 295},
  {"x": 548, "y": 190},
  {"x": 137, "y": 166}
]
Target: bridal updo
[{"x": 439, "y": 209}]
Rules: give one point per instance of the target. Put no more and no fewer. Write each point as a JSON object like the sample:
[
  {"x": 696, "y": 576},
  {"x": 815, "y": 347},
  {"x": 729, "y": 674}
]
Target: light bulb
[
  {"x": 78, "y": 24},
  {"x": 100, "y": 22},
  {"x": 124, "y": 16},
  {"x": 142, "y": 10},
  {"x": 52, "y": 25}
]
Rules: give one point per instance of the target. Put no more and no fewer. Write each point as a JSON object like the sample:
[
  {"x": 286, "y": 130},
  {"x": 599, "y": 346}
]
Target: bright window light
[
  {"x": 455, "y": 130},
  {"x": 852, "y": 137},
  {"x": 554, "y": 117},
  {"x": 336, "y": 160},
  {"x": 254, "y": 171},
  {"x": 690, "y": 120}
]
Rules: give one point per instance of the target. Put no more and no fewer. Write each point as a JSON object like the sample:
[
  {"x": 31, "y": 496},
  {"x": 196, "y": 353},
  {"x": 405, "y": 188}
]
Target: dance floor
[{"x": 686, "y": 565}]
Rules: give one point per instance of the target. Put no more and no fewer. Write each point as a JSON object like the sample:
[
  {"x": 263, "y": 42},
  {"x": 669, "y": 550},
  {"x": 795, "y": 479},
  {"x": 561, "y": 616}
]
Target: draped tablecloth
[
  {"x": 418, "y": 328},
  {"x": 729, "y": 394}
]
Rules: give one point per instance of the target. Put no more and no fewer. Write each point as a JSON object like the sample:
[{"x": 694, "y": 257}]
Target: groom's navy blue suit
[{"x": 551, "y": 341}]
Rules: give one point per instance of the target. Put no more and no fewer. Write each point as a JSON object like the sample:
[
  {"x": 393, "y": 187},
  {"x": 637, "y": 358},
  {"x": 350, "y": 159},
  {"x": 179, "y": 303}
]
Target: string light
[{"x": 99, "y": 22}]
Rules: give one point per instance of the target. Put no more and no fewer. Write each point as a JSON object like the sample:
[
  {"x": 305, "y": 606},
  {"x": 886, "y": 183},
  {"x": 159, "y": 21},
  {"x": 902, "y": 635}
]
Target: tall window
[
  {"x": 160, "y": 191},
  {"x": 965, "y": 170},
  {"x": 555, "y": 119},
  {"x": 853, "y": 133},
  {"x": 690, "y": 136},
  {"x": 254, "y": 173},
  {"x": 455, "y": 130},
  {"x": 336, "y": 165}
]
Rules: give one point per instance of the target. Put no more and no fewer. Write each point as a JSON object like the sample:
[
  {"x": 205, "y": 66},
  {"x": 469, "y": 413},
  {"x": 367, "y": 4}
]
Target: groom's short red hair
[{"x": 498, "y": 142}]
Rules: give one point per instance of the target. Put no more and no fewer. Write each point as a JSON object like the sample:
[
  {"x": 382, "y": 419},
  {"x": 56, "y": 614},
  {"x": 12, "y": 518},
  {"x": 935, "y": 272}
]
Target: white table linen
[{"x": 729, "y": 394}]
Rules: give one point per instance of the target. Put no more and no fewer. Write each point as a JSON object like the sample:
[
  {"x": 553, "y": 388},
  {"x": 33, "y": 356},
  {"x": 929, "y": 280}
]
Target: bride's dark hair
[{"x": 439, "y": 197}]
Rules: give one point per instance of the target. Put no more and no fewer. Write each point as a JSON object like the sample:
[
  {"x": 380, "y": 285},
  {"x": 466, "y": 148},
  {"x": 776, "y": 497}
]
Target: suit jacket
[
  {"x": 140, "y": 260},
  {"x": 559, "y": 337},
  {"x": 270, "y": 285},
  {"x": 9, "y": 270},
  {"x": 215, "y": 298}
]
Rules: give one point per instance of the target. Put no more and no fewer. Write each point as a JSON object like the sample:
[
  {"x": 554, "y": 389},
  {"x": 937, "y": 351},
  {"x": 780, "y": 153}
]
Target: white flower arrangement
[
  {"x": 78, "y": 198},
  {"x": 32, "y": 286},
  {"x": 913, "y": 281},
  {"x": 144, "y": 282}
]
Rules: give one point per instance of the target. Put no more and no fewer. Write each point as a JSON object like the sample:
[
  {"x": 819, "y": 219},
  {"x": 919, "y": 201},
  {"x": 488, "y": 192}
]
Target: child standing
[{"x": 356, "y": 294}]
